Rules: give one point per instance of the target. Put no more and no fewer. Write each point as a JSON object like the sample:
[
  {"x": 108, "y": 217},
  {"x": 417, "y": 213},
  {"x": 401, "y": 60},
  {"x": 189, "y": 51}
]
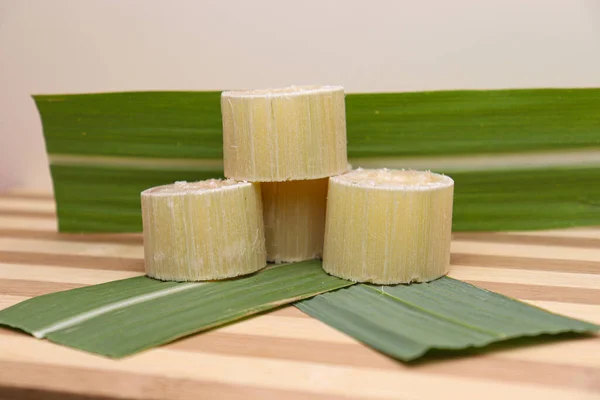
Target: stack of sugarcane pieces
[
  {"x": 289, "y": 196},
  {"x": 291, "y": 140}
]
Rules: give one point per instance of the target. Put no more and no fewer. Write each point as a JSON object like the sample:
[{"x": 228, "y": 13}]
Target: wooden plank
[
  {"x": 288, "y": 328},
  {"x": 28, "y": 214},
  {"x": 16, "y": 204},
  {"x": 266, "y": 373},
  {"x": 525, "y": 250},
  {"x": 541, "y": 292},
  {"x": 76, "y": 248},
  {"x": 487, "y": 366},
  {"x": 30, "y": 192},
  {"x": 19, "y": 287},
  {"x": 584, "y": 233},
  {"x": 49, "y": 382},
  {"x": 117, "y": 238},
  {"x": 133, "y": 251},
  {"x": 582, "y": 352},
  {"x": 44, "y": 273},
  {"x": 524, "y": 277},
  {"x": 531, "y": 238},
  {"x": 72, "y": 260},
  {"x": 586, "y": 312},
  {"x": 286, "y": 354},
  {"x": 7, "y": 300},
  {"x": 29, "y": 224},
  {"x": 528, "y": 263}
]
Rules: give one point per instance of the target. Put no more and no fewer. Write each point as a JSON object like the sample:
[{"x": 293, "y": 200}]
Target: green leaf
[
  {"x": 123, "y": 317},
  {"x": 106, "y": 198},
  {"x": 144, "y": 124},
  {"x": 188, "y": 124},
  {"x": 526, "y": 199},
  {"x": 471, "y": 122},
  {"x": 105, "y": 148},
  {"x": 407, "y": 321}
]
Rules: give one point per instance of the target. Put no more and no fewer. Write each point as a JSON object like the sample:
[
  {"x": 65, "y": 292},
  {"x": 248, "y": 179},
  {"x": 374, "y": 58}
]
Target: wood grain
[
  {"x": 28, "y": 224},
  {"x": 286, "y": 354},
  {"x": 72, "y": 260}
]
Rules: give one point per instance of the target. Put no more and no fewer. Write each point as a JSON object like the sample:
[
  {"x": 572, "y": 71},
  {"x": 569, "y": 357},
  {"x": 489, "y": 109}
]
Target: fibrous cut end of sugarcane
[
  {"x": 294, "y": 214},
  {"x": 292, "y": 133},
  {"x": 388, "y": 226},
  {"x": 203, "y": 230}
]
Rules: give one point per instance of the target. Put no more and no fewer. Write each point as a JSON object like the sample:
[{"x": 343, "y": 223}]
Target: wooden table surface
[{"x": 285, "y": 354}]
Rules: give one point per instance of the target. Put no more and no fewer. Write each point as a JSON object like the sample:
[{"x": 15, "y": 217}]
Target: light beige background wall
[{"x": 366, "y": 45}]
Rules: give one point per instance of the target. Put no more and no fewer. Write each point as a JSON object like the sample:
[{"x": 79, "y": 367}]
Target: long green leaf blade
[
  {"x": 106, "y": 198},
  {"x": 407, "y": 321},
  {"x": 188, "y": 124},
  {"x": 119, "y": 318},
  {"x": 471, "y": 122},
  {"x": 526, "y": 199},
  {"x": 138, "y": 124},
  {"x": 105, "y": 148}
]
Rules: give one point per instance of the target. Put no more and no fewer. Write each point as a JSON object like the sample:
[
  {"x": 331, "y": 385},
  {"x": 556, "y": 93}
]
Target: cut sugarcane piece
[
  {"x": 294, "y": 215},
  {"x": 388, "y": 226},
  {"x": 204, "y": 230},
  {"x": 292, "y": 133}
]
